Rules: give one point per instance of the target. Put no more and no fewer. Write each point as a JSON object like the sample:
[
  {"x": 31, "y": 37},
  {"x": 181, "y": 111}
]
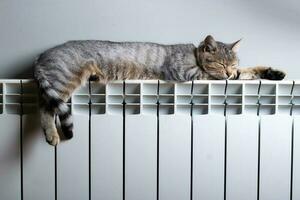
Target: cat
[{"x": 60, "y": 70}]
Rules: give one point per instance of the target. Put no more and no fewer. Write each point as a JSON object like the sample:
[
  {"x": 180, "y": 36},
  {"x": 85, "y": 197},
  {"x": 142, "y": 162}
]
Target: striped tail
[
  {"x": 54, "y": 103},
  {"x": 66, "y": 124}
]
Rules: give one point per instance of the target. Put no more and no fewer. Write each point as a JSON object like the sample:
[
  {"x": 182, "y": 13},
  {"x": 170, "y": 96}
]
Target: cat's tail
[{"x": 54, "y": 103}]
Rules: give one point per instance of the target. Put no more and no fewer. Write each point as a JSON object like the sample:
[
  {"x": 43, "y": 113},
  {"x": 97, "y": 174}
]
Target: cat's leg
[
  {"x": 91, "y": 72},
  {"x": 53, "y": 103},
  {"x": 260, "y": 72},
  {"x": 48, "y": 125},
  {"x": 96, "y": 73}
]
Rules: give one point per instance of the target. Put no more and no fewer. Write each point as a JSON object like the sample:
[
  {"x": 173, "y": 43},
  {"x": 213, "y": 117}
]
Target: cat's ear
[
  {"x": 235, "y": 46},
  {"x": 210, "y": 45}
]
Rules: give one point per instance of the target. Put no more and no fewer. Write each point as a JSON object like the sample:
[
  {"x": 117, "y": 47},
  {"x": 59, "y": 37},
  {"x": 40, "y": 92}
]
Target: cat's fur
[{"x": 62, "y": 69}]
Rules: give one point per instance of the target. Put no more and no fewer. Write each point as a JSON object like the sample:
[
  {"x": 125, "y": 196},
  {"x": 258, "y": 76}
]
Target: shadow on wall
[
  {"x": 26, "y": 73},
  {"x": 32, "y": 132},
  {"x": 32, "y": 136},
  {"x": 26, "y": 66},
  {"x": 27, "y": 132}
]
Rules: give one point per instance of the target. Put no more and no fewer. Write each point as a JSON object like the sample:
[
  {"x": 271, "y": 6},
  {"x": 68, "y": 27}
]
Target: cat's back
[
  {"x": 77, "y": 52},
  {"x": 79, "y": 46},
  {"x": 103, "y": 48},
  {"x": 95, "y": 45}
]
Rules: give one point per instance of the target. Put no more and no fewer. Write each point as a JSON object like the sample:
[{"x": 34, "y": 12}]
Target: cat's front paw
[
  {"x": 273, "y": 74},
  {"x": 53, "y": 139}
]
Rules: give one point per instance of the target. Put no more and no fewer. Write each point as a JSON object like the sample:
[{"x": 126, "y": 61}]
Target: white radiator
[{"x": 154, "y": 140}]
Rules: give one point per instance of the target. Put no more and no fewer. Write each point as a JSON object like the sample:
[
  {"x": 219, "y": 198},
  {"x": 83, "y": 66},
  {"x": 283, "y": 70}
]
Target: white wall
[{"x": 270, "y": 29}]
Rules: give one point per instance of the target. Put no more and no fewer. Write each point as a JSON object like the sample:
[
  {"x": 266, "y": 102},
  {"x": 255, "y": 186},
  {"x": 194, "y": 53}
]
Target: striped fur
[
  {"x": 64, "y": 68},
  {"x": 53, "y": 104}
]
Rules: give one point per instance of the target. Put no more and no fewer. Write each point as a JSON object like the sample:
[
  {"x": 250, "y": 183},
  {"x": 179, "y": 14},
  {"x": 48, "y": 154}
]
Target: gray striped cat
[{"x": 62, "y": 69}]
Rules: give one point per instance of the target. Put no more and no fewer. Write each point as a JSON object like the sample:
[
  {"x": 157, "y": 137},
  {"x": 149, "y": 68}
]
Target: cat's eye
[{"x": 223, "y": 65}]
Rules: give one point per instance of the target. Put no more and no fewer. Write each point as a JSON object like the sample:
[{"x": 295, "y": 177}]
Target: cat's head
[{"x": 218, "y": 59}]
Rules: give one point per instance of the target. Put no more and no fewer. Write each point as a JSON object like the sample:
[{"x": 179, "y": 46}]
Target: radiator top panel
[{"x": 154, "y": 97}]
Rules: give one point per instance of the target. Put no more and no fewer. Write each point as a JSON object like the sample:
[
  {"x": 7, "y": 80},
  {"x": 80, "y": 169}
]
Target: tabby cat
[{"x": 62, "y": 69}]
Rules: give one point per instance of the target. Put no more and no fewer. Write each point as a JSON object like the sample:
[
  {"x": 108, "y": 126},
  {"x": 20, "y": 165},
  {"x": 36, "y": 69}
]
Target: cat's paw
[
  {"x": 273, "y": 74},
  {"x": 234, "y": 74},
  {"x": 53, "y": 139}
]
